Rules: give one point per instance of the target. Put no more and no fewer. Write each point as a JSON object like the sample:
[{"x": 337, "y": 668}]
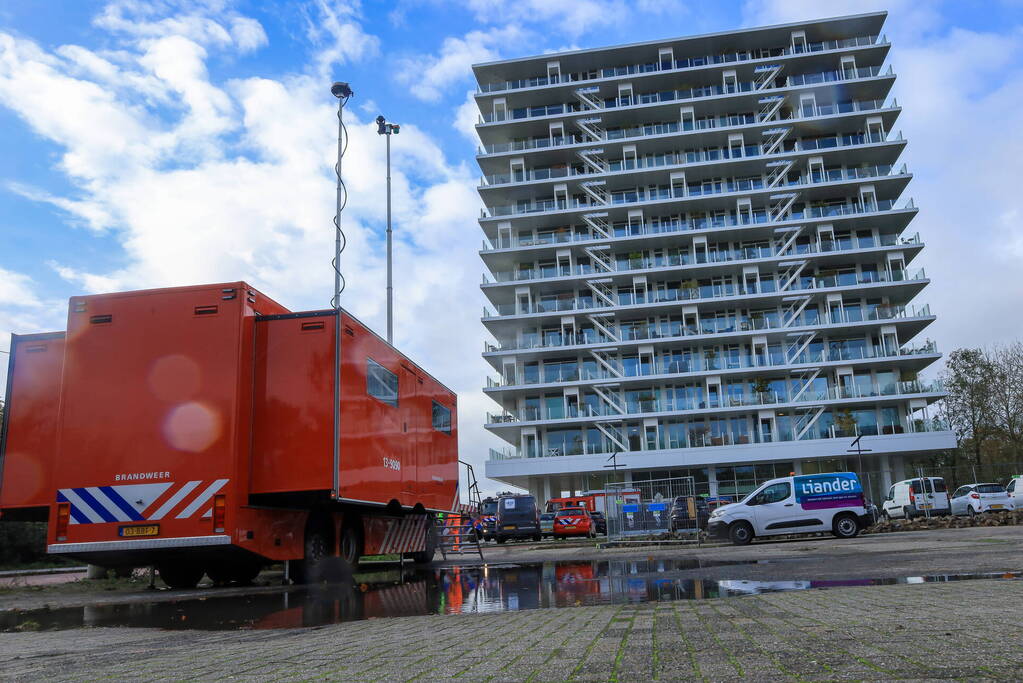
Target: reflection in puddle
[{"x": 449, "y": 590}]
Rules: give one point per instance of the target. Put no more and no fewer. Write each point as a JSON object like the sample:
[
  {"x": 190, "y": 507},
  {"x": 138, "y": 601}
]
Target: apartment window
[
  {"x": 441, "y": 418},
  {"x": 381, "y": 383}
]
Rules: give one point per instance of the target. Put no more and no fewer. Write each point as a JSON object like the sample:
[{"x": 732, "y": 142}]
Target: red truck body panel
[
  {"x": 175, "y": 399},
  {"x": 30, "y": 422}
]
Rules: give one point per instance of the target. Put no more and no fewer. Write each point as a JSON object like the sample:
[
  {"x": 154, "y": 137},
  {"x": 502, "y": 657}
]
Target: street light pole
[
  {"x": 343, "y": 92},
  {"x": 386, "y": 129}
]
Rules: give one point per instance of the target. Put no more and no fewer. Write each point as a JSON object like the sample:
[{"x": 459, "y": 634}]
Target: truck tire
[
  {"x": 740, "y": 533},
  {"x": 500, "y": 539},
  {"x": 180, "y": 575},
  {"x": 845, "y": 526},
  {"x": 317, "y": 546},
  {"x": 350, "y": 546},
  {"x": 239, "y": 572}
]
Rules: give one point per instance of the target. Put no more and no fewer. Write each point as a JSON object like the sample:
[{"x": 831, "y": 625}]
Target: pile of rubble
[{"x": 947, "y": 522}]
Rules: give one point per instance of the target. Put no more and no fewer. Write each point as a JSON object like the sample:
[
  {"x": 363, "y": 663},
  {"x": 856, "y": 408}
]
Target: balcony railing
[
  {"x": 715, "y": 363},
  {"x": 685, "y": 258},
  {"x": 674, "y": 65},
  {"x": 732, "y": 324},
  {"x": 758, "y": 216},
  {"x": 729, "y": 400},
  {"x": 543, "y": 111},
  {"x": 718, "y": 291},
  {"x": 656, "y": 129},
  {"x": 704, "y": 439},
  {"x": 699, "y": 189}
]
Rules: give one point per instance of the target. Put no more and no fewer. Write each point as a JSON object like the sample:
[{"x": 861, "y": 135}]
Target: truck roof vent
[{"x": 101, "y": 319}]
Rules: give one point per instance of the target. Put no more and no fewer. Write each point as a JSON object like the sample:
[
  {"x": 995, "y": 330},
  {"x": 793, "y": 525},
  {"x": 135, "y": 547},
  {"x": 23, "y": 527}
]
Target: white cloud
[
  {"x": 192, "y": 19},
  {"x": 333, "y": 28},
  {"x": 466, "y": 117},
  {"x": 428, "y": 76}
]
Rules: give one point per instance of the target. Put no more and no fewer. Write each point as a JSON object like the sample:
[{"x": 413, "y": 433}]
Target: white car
[
  {"x": 794, "y": 505},
  {"x": 976, "y": 498}
]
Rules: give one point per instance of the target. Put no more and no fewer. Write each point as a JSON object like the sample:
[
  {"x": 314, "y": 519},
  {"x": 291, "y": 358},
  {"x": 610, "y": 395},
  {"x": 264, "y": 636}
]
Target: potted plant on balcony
[
  {"x": 845, "y": 422},
  {"x": 689, "y": 288},
  {"x": 761, "y": 387}
]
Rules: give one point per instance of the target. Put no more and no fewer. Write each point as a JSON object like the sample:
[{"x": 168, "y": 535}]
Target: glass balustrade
[
  {"x": 696, "y": 437},
  {"x": 557, "y": 109},
  {"x": 717, "y": 291},
  {"x": 731, "y": 361},
  {"x": 672, "y": 65},
  {"x": 743, "y": 323}
]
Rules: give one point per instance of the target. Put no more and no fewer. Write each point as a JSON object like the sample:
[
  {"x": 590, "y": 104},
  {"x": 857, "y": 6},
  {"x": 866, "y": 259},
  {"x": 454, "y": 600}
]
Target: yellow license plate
[
  {"x": 997, "y": 507},
  {"x": 926, "y": 506},
  {"x": 508, "y": 527},
  {"x": 135, "y": 531}
]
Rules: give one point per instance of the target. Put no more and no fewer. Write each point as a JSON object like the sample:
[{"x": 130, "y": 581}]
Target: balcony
[
  {"x": 828, "y": 353},
  {"x": 718, "y": 256},
  {"x": 673, "y": 128},
  {"x": 759, "y": 217},
  {"x": 562, "y": 109},
  {"x": 714, "y": 326},
  {"x": 698, "y": 189},
  {"x": 652, "y": 406},
  {"x": 707, "y": 439},
  {"x": 678, "y": 64},
  {"x": 704, "y": 293}
]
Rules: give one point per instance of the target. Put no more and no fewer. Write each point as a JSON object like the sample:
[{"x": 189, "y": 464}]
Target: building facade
[{"x": 700, "y": 262}]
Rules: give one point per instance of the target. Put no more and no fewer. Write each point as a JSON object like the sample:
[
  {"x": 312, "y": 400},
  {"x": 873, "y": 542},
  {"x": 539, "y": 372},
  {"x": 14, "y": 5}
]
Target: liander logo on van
[{"x": 822, "y": 491}]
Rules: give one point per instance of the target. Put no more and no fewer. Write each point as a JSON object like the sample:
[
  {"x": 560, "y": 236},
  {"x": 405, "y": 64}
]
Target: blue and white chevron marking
[{"x": 139, "y": 502}]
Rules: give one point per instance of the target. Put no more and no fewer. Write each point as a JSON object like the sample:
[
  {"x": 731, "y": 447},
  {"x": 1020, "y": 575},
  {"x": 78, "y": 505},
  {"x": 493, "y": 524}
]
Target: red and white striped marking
[{"x": 405, "y": 535}]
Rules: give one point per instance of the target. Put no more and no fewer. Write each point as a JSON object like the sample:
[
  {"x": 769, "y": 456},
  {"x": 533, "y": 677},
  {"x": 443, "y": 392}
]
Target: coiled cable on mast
[{"x": 343, "y": 93}]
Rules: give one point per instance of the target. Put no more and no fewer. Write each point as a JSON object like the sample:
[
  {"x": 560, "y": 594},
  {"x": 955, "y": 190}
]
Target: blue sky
[{"x": 180, "y": 141}]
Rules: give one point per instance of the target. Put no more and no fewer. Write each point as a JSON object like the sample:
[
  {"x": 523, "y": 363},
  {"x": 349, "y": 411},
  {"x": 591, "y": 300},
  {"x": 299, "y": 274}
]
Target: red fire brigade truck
[{"x": 192, "y": 428}]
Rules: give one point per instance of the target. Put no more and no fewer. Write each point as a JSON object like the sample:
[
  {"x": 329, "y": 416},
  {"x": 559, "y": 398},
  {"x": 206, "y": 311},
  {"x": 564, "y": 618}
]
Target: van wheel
[
  {"x": 845, "y": 526},
  {"x": 180, "y": 575},
  {"x": 741, "y": 533},
  {"x": 500, "y": 539}
]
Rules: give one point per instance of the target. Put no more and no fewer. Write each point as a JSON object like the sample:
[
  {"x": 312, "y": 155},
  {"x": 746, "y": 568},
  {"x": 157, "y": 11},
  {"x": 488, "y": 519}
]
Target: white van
[
  {"x": 908, "y": 499},
  {"x": 794, "y": 505},
  {"x": 1015, "y": 491}
]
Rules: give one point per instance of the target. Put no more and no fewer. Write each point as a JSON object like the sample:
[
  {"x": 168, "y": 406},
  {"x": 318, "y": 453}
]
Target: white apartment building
[{"x": 700, "y": 260}]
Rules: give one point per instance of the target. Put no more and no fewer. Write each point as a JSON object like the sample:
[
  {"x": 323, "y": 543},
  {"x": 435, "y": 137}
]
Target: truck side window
[
  {"x": 441, "y": 418},
  {"x": 381, "y": 383}
]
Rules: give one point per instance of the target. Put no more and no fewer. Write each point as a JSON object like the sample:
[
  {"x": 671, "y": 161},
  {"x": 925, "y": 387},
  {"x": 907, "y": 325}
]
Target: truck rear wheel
[
  {"x": 351, "y": 541},
  {"x": 239, "y": 572},
  {"x": 180, "y": 575}
]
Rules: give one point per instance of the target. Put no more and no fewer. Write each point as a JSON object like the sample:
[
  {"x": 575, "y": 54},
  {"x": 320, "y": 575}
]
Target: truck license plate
[
  {"x": 508, "y": 527},
  {"x": 140, "y": 530}
]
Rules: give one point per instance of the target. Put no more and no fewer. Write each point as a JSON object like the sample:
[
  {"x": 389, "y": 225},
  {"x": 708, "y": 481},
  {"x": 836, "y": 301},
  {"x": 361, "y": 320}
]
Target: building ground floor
[{"x": 731, "y": 472}]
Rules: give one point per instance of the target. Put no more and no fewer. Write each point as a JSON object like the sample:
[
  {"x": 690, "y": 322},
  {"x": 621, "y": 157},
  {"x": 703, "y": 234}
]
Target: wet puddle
[{"x": 450, "y": 590}]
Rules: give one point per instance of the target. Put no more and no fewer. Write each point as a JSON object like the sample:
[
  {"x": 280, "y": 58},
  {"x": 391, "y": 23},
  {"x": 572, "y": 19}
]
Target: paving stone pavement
[{"x": 910, "y": 632}]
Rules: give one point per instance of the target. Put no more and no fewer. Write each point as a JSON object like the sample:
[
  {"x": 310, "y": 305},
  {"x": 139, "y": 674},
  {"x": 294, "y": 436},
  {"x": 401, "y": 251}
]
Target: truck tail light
[
  {"x": 63, "y": 519},
  {"x": 219, "y": 510}
]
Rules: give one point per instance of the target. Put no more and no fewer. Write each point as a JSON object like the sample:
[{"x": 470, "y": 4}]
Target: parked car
[
  {"x": 547, "y": 524},
  {"x": 915, "y": 497},
  {"x": 972, "y": 499},
  {"x": 599, "y": 521},
  {"x": 517, "y": 517},
  {"x": 1015, "y": 491},
  {"x": 679, "y": 517},
  {"x": 573, "y": 522},
  {"x": 792, "y": 505}
]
